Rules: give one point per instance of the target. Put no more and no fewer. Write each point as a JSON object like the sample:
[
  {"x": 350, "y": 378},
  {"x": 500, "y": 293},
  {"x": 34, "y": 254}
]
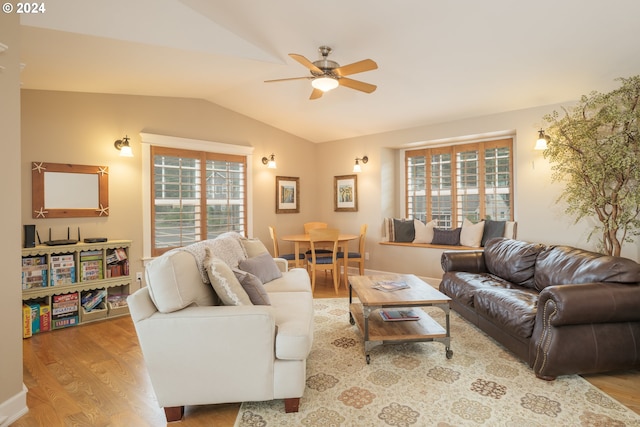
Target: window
[
  {"x": 449, "y": 184},
  {"x": 197, "y": 195}
]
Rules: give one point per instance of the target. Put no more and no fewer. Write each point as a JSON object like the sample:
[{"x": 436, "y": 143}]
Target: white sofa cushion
[
  {"x": 253, "y": 247},
  {"x": 175, "y": 283},
  {"x": 224, "y": 281},
  {"x": 294, "y": 322},
  {"x": 294, "y": 280}
]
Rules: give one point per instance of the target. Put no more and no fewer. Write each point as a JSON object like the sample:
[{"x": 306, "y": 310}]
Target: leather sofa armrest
[
  {"x": 469, "y": 261},
  {"x": 576, "y": 304}
]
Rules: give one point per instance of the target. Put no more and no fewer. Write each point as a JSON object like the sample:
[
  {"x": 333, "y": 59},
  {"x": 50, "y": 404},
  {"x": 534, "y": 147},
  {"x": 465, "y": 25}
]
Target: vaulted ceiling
[{"x": 438, "y": 60}]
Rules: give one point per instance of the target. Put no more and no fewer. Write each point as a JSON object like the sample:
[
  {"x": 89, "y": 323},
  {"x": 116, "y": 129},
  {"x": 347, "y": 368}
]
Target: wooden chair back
[{"x": 313, "y": 225}]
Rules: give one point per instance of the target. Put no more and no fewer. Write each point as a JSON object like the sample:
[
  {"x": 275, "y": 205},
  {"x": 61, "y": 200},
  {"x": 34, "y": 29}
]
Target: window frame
[
  {"x": 453, "y": 149},
  {"x": 211, "y": 147}
]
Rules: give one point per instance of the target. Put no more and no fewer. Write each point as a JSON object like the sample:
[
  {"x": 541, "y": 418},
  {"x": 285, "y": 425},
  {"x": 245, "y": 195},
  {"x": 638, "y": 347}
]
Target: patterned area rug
[{"x": 414, "y": 384}]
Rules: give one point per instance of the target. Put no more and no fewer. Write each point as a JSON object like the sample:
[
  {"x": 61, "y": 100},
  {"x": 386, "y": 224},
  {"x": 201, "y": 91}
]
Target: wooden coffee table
[{"x": 365, "y": 312}]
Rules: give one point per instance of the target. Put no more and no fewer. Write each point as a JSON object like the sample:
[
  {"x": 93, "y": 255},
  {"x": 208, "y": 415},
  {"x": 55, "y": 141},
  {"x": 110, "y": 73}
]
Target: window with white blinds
[
  {"x": 449, "y": 184},
  {"x": 196, "y": 196}
]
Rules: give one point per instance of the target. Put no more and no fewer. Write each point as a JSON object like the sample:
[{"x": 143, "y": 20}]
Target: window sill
[{"x": 429, "y": 245}]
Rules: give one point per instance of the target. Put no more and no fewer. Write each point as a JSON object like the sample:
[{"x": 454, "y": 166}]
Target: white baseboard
[{"x": 13, "y": 408}]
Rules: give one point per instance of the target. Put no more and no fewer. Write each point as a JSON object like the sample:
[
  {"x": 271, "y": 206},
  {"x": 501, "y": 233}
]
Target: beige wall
[
  {"x": 80, "y": 128},
  {"x": 12, "y": 398}
]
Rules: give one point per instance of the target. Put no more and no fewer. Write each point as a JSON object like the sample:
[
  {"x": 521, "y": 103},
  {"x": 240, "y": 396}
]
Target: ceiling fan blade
[
  {"x": 356, "y": 67},
  {"x": 291, "y": 78},
  {"x": 317, "y": 93},
  {"x": 304, "y": 61},
  {"x": 357, "y": 85}
]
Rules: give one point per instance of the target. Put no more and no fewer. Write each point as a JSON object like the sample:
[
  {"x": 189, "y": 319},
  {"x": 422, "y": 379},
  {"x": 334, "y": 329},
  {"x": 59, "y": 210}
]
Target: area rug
[{"x": 414, "y": 384}]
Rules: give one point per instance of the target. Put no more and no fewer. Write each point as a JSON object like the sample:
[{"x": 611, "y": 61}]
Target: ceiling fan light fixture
[{"x": 324, "y": 83}]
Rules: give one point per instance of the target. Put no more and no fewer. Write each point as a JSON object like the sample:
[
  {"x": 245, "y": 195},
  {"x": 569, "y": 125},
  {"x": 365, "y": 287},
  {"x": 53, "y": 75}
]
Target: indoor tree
[{"x": 594, "y": 148}]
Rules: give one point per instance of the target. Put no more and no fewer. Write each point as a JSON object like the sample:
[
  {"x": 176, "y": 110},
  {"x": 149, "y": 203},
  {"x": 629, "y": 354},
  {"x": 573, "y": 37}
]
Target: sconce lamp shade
[
  {"x": 541, "y": 143},
  {"x": 356, "y": 167},
  {"x": 270, "y": 161},
  {"x": 325, "y": 84},
  {"x": 123, "y": 146}
]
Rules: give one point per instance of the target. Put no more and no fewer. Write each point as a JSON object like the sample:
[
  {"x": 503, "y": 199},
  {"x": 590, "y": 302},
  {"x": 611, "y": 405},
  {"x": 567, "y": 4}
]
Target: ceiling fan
[{"x": 327, "y": 74}]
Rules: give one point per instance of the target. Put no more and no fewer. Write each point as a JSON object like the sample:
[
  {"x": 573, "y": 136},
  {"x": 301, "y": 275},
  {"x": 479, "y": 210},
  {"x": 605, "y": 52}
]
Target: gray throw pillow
[
  {"x": 446, "y": 237},
  {"x": 492, "y": 229},
  {"x": 253, "y": 287},
  {"x": 262, "y": 266},
  {"x": 404, "y": 230}
]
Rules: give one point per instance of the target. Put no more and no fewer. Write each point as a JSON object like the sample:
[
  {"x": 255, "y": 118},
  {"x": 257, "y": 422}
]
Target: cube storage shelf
[{"x": 56, "y": 279}]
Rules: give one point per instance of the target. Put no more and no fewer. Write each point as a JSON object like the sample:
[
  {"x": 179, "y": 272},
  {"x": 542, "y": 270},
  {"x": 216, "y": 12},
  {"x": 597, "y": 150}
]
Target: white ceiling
[{"x": 438, "y": 60}]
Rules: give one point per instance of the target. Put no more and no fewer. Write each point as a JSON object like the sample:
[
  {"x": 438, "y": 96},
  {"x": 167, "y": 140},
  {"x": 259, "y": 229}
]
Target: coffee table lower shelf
[{"x": 376, "y": 331}]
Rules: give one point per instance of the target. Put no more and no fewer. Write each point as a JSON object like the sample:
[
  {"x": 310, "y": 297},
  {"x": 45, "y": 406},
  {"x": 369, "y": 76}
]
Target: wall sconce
[
  {"x": 356, "y": 167},
  {"x": 122, "y": 145},
  {"x": 541, "y": 143},
  {"x": 270, "y": 162}
]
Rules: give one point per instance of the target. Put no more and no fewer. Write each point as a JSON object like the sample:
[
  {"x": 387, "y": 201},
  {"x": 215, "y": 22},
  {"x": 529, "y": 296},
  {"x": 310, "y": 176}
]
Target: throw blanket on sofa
[{"x": 226, "y": 247}]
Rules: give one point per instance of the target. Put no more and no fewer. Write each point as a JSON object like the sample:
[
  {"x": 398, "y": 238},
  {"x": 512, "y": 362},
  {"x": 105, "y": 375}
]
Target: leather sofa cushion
[
  {"x": 512, "y": 260},
  {"x": 512, "y": 309},
  {"x": 462, "y": 286},
  {"x": 561, "y": 265}
]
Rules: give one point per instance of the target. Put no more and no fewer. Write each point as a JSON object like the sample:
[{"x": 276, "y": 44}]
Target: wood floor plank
[{"x": 95, "y": 375}]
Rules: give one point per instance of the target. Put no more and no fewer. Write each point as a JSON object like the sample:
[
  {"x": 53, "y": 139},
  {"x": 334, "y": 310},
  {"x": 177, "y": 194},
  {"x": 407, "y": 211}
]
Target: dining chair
[
  {"x": 291, "y": 258},
  {"x": 313, "y": 226},
  {"x": 323, "y": 261},
  {"x": 357, "y": 257}
]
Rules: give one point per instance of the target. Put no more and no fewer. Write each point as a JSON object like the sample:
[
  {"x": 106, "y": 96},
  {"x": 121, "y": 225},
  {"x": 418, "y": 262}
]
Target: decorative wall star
[
  {"x": 102, "y": 170},
  {"x": 41, "y": 213},
  {"x": 103, "y": 210},
  {"x": 38, "y": 167}
]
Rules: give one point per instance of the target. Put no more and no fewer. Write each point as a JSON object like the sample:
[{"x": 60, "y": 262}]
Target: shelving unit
[{"x": 52, "y": 275}]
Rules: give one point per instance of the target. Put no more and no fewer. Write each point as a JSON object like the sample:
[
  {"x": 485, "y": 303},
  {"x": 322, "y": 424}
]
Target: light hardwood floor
[{"x": 94, "y": 375}]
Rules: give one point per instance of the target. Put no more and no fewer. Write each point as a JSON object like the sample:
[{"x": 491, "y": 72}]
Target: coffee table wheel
[
  {"x": 368, "y": 359},
  {"x": 351, "y": 319},
  {"x": 449, "y": 353}
]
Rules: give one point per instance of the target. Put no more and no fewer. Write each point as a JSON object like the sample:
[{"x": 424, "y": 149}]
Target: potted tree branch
[{"x": 594, "y": 148}]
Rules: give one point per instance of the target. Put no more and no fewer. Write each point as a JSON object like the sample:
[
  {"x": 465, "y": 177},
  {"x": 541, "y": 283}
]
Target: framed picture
[
  {"x": 287, "y": 194},
  {"x": 345, "y": 193}
]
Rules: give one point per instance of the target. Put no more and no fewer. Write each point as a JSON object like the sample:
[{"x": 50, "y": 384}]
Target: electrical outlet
[
  {"x": 366, "y": 256},
  {"x": 139, "y": 277}
]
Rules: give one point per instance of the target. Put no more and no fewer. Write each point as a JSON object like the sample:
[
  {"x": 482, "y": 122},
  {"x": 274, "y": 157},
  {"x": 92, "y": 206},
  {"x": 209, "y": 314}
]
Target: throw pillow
[
  {"x": 262, "y": 266},
  {"x": 492, "y": 229},
  {"x": 254, "y": 247},
  {"x": 253, "y": 286},
  {"x": 471, "y": 234},
  {"x": 404, "y": 230},
  {"x": 424, "y": 232},
  {"x": 224, "y": 282},
  {"x": 446, "y": 237}
]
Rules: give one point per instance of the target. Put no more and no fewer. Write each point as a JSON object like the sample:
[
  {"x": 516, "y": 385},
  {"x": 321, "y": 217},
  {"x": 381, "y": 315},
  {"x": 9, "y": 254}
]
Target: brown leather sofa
[{"x": 561, "y": 309}]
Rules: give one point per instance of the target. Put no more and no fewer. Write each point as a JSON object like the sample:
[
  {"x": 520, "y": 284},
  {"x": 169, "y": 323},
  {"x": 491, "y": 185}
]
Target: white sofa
[{"x": 200, "y": 351}]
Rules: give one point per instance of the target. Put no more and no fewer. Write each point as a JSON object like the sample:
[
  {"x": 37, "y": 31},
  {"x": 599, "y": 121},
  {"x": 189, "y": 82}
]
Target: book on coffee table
[
  {"x": 398, "y": 315},
  {"x": 390, "y": 285}
]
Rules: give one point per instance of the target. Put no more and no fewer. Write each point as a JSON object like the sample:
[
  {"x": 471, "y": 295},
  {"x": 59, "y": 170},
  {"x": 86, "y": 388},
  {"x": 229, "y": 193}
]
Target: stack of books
[
  {"x": 117, "y": 263},
  {"x": 65, "y": 310},
  {"x": 91, "y": 265},
  {"x": 93, "y": 299},
  {"x": 398, "y": 315},
  {"x": 34, "y": 272},
  {"x": 63, "y": 270}
]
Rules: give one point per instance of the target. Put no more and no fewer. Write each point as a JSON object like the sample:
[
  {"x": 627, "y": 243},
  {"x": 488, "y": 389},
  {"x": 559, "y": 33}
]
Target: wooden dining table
[{"x": 343, "y": 246}]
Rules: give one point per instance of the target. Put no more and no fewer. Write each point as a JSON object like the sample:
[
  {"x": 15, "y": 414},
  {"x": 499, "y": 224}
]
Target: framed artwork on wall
[
  {"x": 345, "y": 194},
  {"x": 287, "y": 194}
]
